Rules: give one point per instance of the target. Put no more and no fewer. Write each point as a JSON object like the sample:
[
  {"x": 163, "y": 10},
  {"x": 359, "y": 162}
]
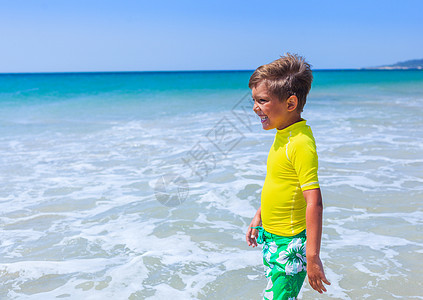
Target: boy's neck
[{"x": 295, "y": 119}]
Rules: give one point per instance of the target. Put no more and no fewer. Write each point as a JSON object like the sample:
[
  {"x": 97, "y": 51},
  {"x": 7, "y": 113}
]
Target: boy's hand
[
  {"x": 252, "y": 234},
  {"x": 316, "y": 274}
]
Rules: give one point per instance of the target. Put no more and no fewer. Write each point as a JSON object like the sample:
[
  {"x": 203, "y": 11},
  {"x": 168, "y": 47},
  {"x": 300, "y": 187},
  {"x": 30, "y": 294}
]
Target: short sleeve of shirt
[{"x": 305, "y": 162}]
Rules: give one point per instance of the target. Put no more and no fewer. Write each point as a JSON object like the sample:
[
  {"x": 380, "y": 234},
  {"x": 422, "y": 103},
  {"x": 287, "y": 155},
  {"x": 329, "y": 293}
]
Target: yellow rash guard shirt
[{"x": 291, "y": 169}]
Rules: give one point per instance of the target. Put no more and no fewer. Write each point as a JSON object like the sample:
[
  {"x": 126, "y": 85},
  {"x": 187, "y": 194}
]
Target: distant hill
[{"x": 414, "y": 64}]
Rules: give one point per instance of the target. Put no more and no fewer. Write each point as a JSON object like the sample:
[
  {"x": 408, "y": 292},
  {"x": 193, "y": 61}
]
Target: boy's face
[{"x": 272, "y": 112}]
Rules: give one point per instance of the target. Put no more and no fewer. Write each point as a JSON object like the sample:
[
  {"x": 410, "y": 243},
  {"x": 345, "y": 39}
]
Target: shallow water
[{"x": 141, "y": 186}]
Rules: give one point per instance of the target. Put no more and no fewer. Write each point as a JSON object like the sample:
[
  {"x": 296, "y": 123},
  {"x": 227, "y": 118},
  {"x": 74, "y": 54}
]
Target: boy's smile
[{"x": 273, "y": 112}]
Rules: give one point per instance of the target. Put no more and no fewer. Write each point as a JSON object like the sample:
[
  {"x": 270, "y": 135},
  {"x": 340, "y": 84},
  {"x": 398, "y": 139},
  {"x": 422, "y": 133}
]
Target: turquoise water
[{"x": 142, "y": 185}]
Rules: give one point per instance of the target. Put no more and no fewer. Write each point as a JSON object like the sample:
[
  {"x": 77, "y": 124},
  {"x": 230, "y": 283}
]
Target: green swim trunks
[{"x": 285, "y": 264}]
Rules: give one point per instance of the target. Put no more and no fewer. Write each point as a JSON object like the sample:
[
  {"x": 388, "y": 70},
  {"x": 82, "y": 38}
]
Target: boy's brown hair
[{"x": 284, "y": 77}]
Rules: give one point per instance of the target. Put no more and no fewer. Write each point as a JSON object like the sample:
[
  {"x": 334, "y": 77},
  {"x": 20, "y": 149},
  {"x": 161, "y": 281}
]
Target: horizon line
[{"x": 176, "y": 71}]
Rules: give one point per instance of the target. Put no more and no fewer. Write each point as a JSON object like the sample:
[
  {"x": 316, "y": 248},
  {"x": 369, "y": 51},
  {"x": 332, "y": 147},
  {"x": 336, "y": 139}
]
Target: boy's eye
[{"x": 261, "y": 101}]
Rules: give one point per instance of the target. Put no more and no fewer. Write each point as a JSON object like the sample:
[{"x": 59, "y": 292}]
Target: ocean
[{"x": 142, "y": 185}]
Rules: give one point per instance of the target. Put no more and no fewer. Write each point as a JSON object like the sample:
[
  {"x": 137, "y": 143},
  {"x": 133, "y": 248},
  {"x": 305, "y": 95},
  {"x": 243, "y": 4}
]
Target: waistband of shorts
[{"x": 265, "y": 234}]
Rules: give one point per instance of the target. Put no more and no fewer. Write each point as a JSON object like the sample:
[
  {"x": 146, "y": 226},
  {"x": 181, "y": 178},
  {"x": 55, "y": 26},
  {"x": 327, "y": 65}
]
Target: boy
[{"x": 291, "y": 201}]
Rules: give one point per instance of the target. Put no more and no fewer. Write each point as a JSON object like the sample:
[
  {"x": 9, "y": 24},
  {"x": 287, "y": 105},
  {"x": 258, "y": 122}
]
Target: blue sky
[{"x": 126, "y": 35}]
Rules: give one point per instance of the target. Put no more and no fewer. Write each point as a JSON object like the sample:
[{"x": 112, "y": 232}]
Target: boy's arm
[
  {"x": 314, "y": 233},
  {"x": 251, "y": 235}
]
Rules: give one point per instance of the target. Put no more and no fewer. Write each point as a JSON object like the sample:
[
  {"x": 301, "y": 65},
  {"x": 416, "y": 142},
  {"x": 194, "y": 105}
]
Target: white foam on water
[
  {"x": 231, "y": 203},
  {"x": 371, "y": 240},
  {"x": 120, "y": 278},
  {"x": 36, "y": 269}
]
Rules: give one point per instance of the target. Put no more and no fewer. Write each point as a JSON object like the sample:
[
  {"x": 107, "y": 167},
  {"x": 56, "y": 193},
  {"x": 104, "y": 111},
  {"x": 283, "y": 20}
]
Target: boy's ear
[{"x": 292, "y": 103}]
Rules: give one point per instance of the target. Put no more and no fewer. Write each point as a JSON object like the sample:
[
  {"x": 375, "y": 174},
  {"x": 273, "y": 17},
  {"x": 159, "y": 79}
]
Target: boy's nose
[{"x": 256, "y": 108}]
